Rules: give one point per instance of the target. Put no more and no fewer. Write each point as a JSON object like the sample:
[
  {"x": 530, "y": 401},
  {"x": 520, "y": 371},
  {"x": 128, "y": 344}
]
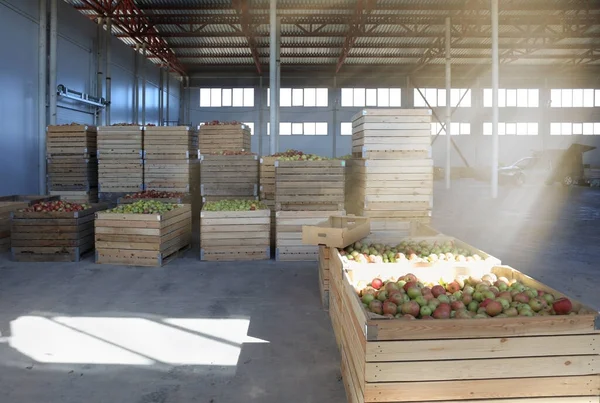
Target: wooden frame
[
  {"x": 337, "y": 231},
  {"x": 216, "y": 138},
  {"x": 545, "y": 358},
  {"x": 52, "y": 236},
  {"x": 229, "y": 176},
  {"x": 235, "y": 235},
  {"x": 120, "y": 159},
  {"x": 142, "y": 239}
]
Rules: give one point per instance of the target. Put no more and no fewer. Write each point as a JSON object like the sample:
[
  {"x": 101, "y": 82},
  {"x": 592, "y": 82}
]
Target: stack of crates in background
[
  {"x": 267, "y": 189},
  {"x": 390, "y": 177},
  {"x": 220, "y": 136},
  {"x": 120, "y": 160},
  {"x": 225, "y": 176},
  {"x": 171, "y": 159},
  {"x": 72, "y": 167},
  {"x": 306, "y": 193}
]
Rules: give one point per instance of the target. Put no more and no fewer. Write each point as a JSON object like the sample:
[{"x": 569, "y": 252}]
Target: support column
[
  {"x": 42, "y": 93},
  {"x": 495, "y": 111},
  {"x": 136, "y": 85},
  {"x": 448, "y": 105},
  {"x": 336, "y": 127},
  {"x": 100, "y": 67},
  {"x": 273, "y": 82},
  {"x": 278, "y": 60},
  {"x": 258, "y": 130},
  {"x": 108, "y": 70},
  {"x": 161, "y": 95},
  {"x": 167, "y": 113},
  {"x": 53, "y": 56},
  {"x": 144, "y": 84}
]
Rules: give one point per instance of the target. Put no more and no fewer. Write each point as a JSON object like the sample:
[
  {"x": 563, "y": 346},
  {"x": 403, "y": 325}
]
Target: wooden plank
[
  {"x": 483, "y": 389},
  {"x": 477, "y": 348}
]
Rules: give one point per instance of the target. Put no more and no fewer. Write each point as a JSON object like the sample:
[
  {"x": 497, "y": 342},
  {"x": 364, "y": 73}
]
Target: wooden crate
[
  {"x": 177, "y": 175},
  {"x": 378, "y": 132},
  {"x": 170, "y": 143},
  {"x": 52, "y": 236},
  {"x": 6, "y": 209},
  {"x": 498, "y": 360},
  {"x": 120, "y": 159},
  {"x": 309, "y": 185},
  {"x": 142, "y": 239},
  {"x": 288, "y": 233},
  {"x": 224, "y": 137},
  {"x": 77, "y": 196},
  {"x": 72, "y": 173},
  {"x": 229, "y": 176},
  {"x": 73, "y": 140},
  {"x": 267, "y": 178},
  {"x": 235, "y": 235},
  {"x": 185, "y": 199},
  {"x": 324, "y": 252}
]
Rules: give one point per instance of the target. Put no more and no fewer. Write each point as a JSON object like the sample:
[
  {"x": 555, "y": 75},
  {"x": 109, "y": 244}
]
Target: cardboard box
[{"x": 337, "y": 231}]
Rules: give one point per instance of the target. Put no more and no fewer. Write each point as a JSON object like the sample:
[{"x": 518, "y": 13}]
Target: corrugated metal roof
[{"x": 209, "y": 32}]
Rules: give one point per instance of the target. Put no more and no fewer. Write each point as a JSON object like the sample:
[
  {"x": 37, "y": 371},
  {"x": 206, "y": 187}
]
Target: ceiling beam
[
  {"x": 138, "y": 28},
  {"x": 587, "y": 55},
  {"x": 302, "y": 46},
  {"x": 243, "y": 12},
  {"x": 355, "y": 28},
  {"x": 441, "y": 6}
]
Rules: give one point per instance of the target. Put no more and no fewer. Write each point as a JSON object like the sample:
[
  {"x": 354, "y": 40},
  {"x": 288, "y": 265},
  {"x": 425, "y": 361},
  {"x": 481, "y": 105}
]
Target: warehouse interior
[{"x": 256, "y": 332}]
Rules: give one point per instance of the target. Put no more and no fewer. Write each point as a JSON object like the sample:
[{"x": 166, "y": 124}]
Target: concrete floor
[{"x": 246, "y": 332}]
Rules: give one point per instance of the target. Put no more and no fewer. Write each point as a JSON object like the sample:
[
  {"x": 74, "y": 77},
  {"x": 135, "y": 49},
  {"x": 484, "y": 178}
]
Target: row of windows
[
  {"x": 456, "y": 128},
  {"x": 569, "y": 128},
  {"x": 392, "y": 97}
]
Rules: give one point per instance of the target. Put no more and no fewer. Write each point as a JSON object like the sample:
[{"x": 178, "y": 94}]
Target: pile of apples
[
  {"x": 464, "y": 298},
  {"x": 127, "y": 124},
  {"x": 144, "y": 207},
  {"x": 217, "y": 123},
  {"x": 154, "y": 194},
  {"x": 70, "y": 124},
  {"x": 417, "y": 252},
  {"x": 58, "y": 205},
  {"x": 234, "y": 205},
  {"x": 232, "y": 152}
]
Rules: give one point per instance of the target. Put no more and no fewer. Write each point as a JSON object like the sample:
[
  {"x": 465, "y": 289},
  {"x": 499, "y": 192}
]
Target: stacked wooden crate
[
  {"x": 6, "y": 209},
  {"x": 52, "y": 236},
  {"x": 220, "y": 137},
  {"x": 306, "y": 193},
  {"x": 390, "y": 177},
  {"x": 267, "y": 189},
  {"x": 72, "y": 167},
  {"x": 171, "y": 158},
  {"x": 225, "y": 177},
  {"x": 120, "y": 160}
]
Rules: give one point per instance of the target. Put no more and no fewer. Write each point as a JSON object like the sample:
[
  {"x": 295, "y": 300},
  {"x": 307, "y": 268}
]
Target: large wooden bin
[
  {"x": 52, "y": 236},
  {"x": 142, "y": 239},
  {"x": 235, "y": 235},
  {"x": 543, "y": 359}
]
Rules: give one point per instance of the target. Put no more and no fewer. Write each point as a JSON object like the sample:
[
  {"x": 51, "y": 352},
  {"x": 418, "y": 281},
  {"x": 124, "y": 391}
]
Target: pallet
[
  {"x": 6, "y": 209},
  {"x": 534, "y": 359},
  {"x": 235, "y": 235},
  {"x": 142, "y": 239},
  {"x": 229, "y": 176},
  {"x": 52, "y": 236},
  {"x": 224, "y": 137},
  {"x": 309, "y": 185},
  {"x": 288, "y": 234}
]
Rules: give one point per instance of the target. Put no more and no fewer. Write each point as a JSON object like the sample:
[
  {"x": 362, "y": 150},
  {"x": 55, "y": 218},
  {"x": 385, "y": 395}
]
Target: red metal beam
[
  {"x": 357, "y": 26},
  {"x": 127, "y": 17},
  {"x": 242, "y": 10}
]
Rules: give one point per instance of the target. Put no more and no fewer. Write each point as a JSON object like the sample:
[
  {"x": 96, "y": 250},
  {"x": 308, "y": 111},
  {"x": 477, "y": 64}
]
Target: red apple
[{"x": 562, "y": 306}]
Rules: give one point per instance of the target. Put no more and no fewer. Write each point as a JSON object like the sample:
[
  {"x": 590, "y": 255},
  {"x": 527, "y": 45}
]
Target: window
[
  {"x": 456, "y": 128},
  {"x": 300, "y": 128},
  {"x": 436, "y": 97},
  {"x": 226, "y": 97},
  {"x": 346, "y": 129},
  {"x": 574, "y": 98},
  {"x": 251, "y": 127},
  {"x": 307, "y": 97},
  {"x": 510, "y": 128},
  {"x": 575, "y": 129},
  {"x": 377, "y": 97},
  {"x": 513, "y": 98}
]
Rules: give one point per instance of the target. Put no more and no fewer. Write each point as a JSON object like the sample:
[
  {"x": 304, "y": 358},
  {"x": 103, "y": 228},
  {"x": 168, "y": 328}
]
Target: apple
[{"x": 562, "y": 306}]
